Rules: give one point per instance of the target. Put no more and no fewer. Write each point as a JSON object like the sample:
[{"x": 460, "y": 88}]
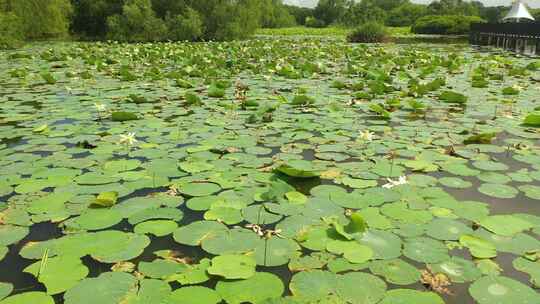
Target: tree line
[
  {"x": 203, "y": 20},
  {"x": 139, "y": 20},
  {"x": 438, "y": 17},
  {"x": 392, "y": 12}
]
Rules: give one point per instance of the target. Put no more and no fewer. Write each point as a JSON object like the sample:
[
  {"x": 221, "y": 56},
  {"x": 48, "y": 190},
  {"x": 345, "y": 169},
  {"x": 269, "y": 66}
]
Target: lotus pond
[{"x": 269, "y": 171}]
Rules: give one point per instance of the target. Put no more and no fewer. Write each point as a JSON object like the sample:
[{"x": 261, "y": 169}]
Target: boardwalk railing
[{"x": 519, "y": 37}]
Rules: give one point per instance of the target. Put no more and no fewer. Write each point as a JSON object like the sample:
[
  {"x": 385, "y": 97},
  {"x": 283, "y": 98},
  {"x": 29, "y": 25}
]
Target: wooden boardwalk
[{"x": 519, "y": 37}]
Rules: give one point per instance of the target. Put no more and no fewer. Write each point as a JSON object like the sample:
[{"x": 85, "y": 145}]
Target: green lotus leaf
[
  {"x": 406, "y": 296},
  {"x": 5, "y": 290},
  {"x": 396, "y": 271},
  {"x": 299, "y": 168},
  {"x": 257, "y": 289},
  {"x": 194, "y": 233},
  {"x": 227, "y": 215},
  {"x": 532, "y": 119},
  {"x": 498, "y": 289},
  {"x": 498, "y": 191},
  {"x": 123, "y": 116},
  {"x": 106, "y": 199},
  {"x": 12, "y": 234},
  {"x": 275, "y": 251},
  {"x": 529, "y": 267},
  {"x": 457, "y": 269},
  {"x": 361, "y": 288},
  {"x": 58, "y": 274},
  {"x": 488, "y": 267},
  {"x": 95, "y": 219},
  {"x": 168, "y": 213},
  {"x": 505, "y": 225},
  {"x": 351, "y": 250},
  {"x": 199, "y": 189},
  {"x": 313, "y": 285},
  {"x": 192, "y": 274},
  {"x": 114, "y": 287},
  {"x": 150, "y": 291},
  {"x": 447, "y": 229},
  {"x": 480, "y": 248},
  {"x": 29, "y": 297},
  {"x": 453, "y": 97},
  {"x": 233, "y": 266},
  {"x": 384, "y": 244},
  {"x": 159, "y": 269},
  {"x": 193, "y": 295},
  {"x": 230, "y": 241},
  {"x": 158, "y": 228},
  {"x": 483, "y": 138},
  {"x": 425, "y": 250}
]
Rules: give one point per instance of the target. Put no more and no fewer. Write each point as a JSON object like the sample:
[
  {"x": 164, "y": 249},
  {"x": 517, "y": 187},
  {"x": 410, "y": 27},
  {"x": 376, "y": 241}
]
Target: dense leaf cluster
[{"x": 138, "y": 20}]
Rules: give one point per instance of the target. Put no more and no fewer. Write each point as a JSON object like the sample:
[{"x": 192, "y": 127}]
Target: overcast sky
[{"x": 532, "y": 3}]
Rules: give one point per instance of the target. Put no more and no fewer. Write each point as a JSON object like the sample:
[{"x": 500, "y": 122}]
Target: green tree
[
  {"x": 330, "y": 11},
  {"x": 274, "y": 14},
  {"x": 363, "y": 12},
  {"x": 163, "y": 8},
  {"x": 300, "y": 13},
  {"x": 11, "y": 30},
  {"x": 138, "y": 22},
  {"x": 42, "y": 18},
  {"x": 406, "y": 14},
  {"x": 186, "y": 26},
  {"x": 90, "y": 16},
  {"x": 453, "y": 7},
  {"x": 389, "y": 5}
]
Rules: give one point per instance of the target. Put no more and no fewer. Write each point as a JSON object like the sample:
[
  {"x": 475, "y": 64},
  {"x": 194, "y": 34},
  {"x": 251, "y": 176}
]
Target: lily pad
[
  {"x": 232, "y": 266},
  {"x": 58, "y": 274},
  {"x": 425, "y": 250},
  {"x": 458, "y": 270},
  {"x": 193, "y": 295},
  {"x": 158, "y": 228},
  {"x": 257, "y": 289},
  {"x": 447, "y": 229},
  {"x": 114, "y": 287},
  {"x": 407, "y": 296},
  {"x": 29, "y": 297},
  {"x": 360, "y": 288},
  {"x": 5, "y": 290},
  {"x": 396, "y": 271},
  {"x": 199, "y": 189},
  {"x": 498, "y": 190},
  {"x": 479, "y": 247},
  {"x": 505, "y": 225},
  {"x": 498, "y": 289}
]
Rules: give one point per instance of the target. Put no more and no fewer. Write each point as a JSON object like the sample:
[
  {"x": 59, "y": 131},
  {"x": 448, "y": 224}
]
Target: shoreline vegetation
[{"x": 216, "y": 20}]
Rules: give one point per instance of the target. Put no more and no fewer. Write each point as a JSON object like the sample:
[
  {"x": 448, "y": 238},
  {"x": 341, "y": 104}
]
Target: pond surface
[{"x": 269, "y": 171}]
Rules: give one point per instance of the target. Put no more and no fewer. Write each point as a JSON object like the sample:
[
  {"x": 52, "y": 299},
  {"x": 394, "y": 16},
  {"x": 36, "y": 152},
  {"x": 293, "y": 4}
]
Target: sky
[{"x": 532, "y": 3}]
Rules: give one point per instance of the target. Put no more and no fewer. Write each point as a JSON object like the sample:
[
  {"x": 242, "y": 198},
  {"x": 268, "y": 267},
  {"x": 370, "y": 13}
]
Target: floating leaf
[
  {"x": 232, "y": 266},
  {"x": 505, "y": 225},
  {"x": 113, "y": 288},
  {"x": 396, "y": 271},
  {"x": 123, "y": 116},
  {"x": 408, "y": 296},
  {"x": 498, "y": 289},
  {"x": 260, "y": 287},
  {"x": 106, "y": 199},
  {"x": 29, "y": 297},
  {"x": 479, "y": 248},
  {"x": 58, "y": 274}
]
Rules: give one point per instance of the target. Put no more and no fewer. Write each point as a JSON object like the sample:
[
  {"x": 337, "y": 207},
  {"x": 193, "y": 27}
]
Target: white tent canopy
[{"x": 519, "y": 11}]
